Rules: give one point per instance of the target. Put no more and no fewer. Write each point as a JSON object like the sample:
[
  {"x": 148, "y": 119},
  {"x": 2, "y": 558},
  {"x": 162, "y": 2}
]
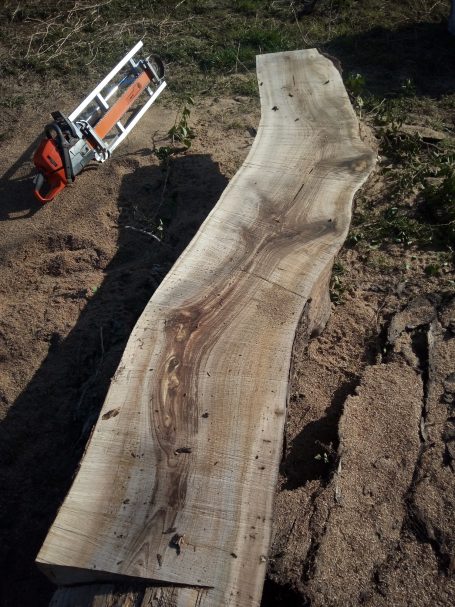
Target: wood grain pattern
[
  {"x": 118, "y": 595},
  {"x": 189, "y": 439}
]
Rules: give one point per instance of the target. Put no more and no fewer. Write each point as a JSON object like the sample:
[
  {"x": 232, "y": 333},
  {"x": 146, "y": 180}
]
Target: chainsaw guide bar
[{"x": 94, "y": 129}]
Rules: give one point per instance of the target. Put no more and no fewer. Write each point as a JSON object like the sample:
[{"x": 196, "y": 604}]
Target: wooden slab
[
  {"x": 189, "y": 439},
  {"x": 121, "y": 595}
]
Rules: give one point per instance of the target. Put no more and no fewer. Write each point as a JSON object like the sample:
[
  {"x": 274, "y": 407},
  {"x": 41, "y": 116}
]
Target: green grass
[
  {"x": 397, "y": 59},
  {"x": 11, "y": 101},
  {"x": 199, "y": 39},
  {"x": 337, "y": 286},
  {"x": 418, "y": 202}
]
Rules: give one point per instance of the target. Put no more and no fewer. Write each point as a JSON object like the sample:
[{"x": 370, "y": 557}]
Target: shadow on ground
[
  {"x": 312, "y": 453},
  {"x": 44, "y": 434},
  {"x": 16, "y": 191},
  {"x": 276, "y": 595},
  {"x": 422, "y": 52}
]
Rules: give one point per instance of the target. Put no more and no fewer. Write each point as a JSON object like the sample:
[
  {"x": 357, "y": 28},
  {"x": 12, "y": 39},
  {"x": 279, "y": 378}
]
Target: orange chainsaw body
[
  {"x": 48, "y": 161},
  {"x": 72, "y": 142}
]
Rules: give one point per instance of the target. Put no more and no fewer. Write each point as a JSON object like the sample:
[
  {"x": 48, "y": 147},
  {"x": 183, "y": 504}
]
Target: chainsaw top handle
[{"x": 63, "y": 147}]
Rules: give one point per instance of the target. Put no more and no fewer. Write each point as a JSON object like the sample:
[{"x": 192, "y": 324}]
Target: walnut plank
[
  {"x": 177, "y": 483},
  {"x": 114, "y": 595}
]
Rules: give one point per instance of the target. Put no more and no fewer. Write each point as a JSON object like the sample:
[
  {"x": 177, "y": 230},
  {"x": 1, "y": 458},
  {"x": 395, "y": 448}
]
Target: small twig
[
  {"x": 376, "y": 107},
  {"x": 237, "y": 58},
  {"x": 305, "y": 41},
  {"x": 102, "y": 341},
  {"x": 243, "y": 65},
  {"x": 378, "y": 312},
  {"x": 143, "y": 232},
  {"x": 95, "y": 54}
]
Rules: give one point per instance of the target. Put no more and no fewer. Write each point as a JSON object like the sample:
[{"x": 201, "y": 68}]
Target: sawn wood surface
[{"x": 177, "y": 483}]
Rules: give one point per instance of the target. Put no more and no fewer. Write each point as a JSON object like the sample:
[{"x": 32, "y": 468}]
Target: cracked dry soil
[{"x": 376, "y": 527}]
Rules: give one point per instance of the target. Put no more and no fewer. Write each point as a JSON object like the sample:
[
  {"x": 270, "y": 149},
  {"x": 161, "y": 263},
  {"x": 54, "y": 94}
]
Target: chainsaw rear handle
[
  {"x": 54, "y": 187},
  {"x": 53, "y": 162}
]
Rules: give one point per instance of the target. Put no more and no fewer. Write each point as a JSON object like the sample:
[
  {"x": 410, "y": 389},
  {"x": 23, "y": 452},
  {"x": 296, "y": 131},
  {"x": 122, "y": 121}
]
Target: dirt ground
[{"x": 364, "y": 509}]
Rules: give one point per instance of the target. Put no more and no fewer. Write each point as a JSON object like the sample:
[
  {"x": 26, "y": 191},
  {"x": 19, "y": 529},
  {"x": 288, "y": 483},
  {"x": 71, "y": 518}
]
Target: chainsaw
[{"x": 95, "y": 128}]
